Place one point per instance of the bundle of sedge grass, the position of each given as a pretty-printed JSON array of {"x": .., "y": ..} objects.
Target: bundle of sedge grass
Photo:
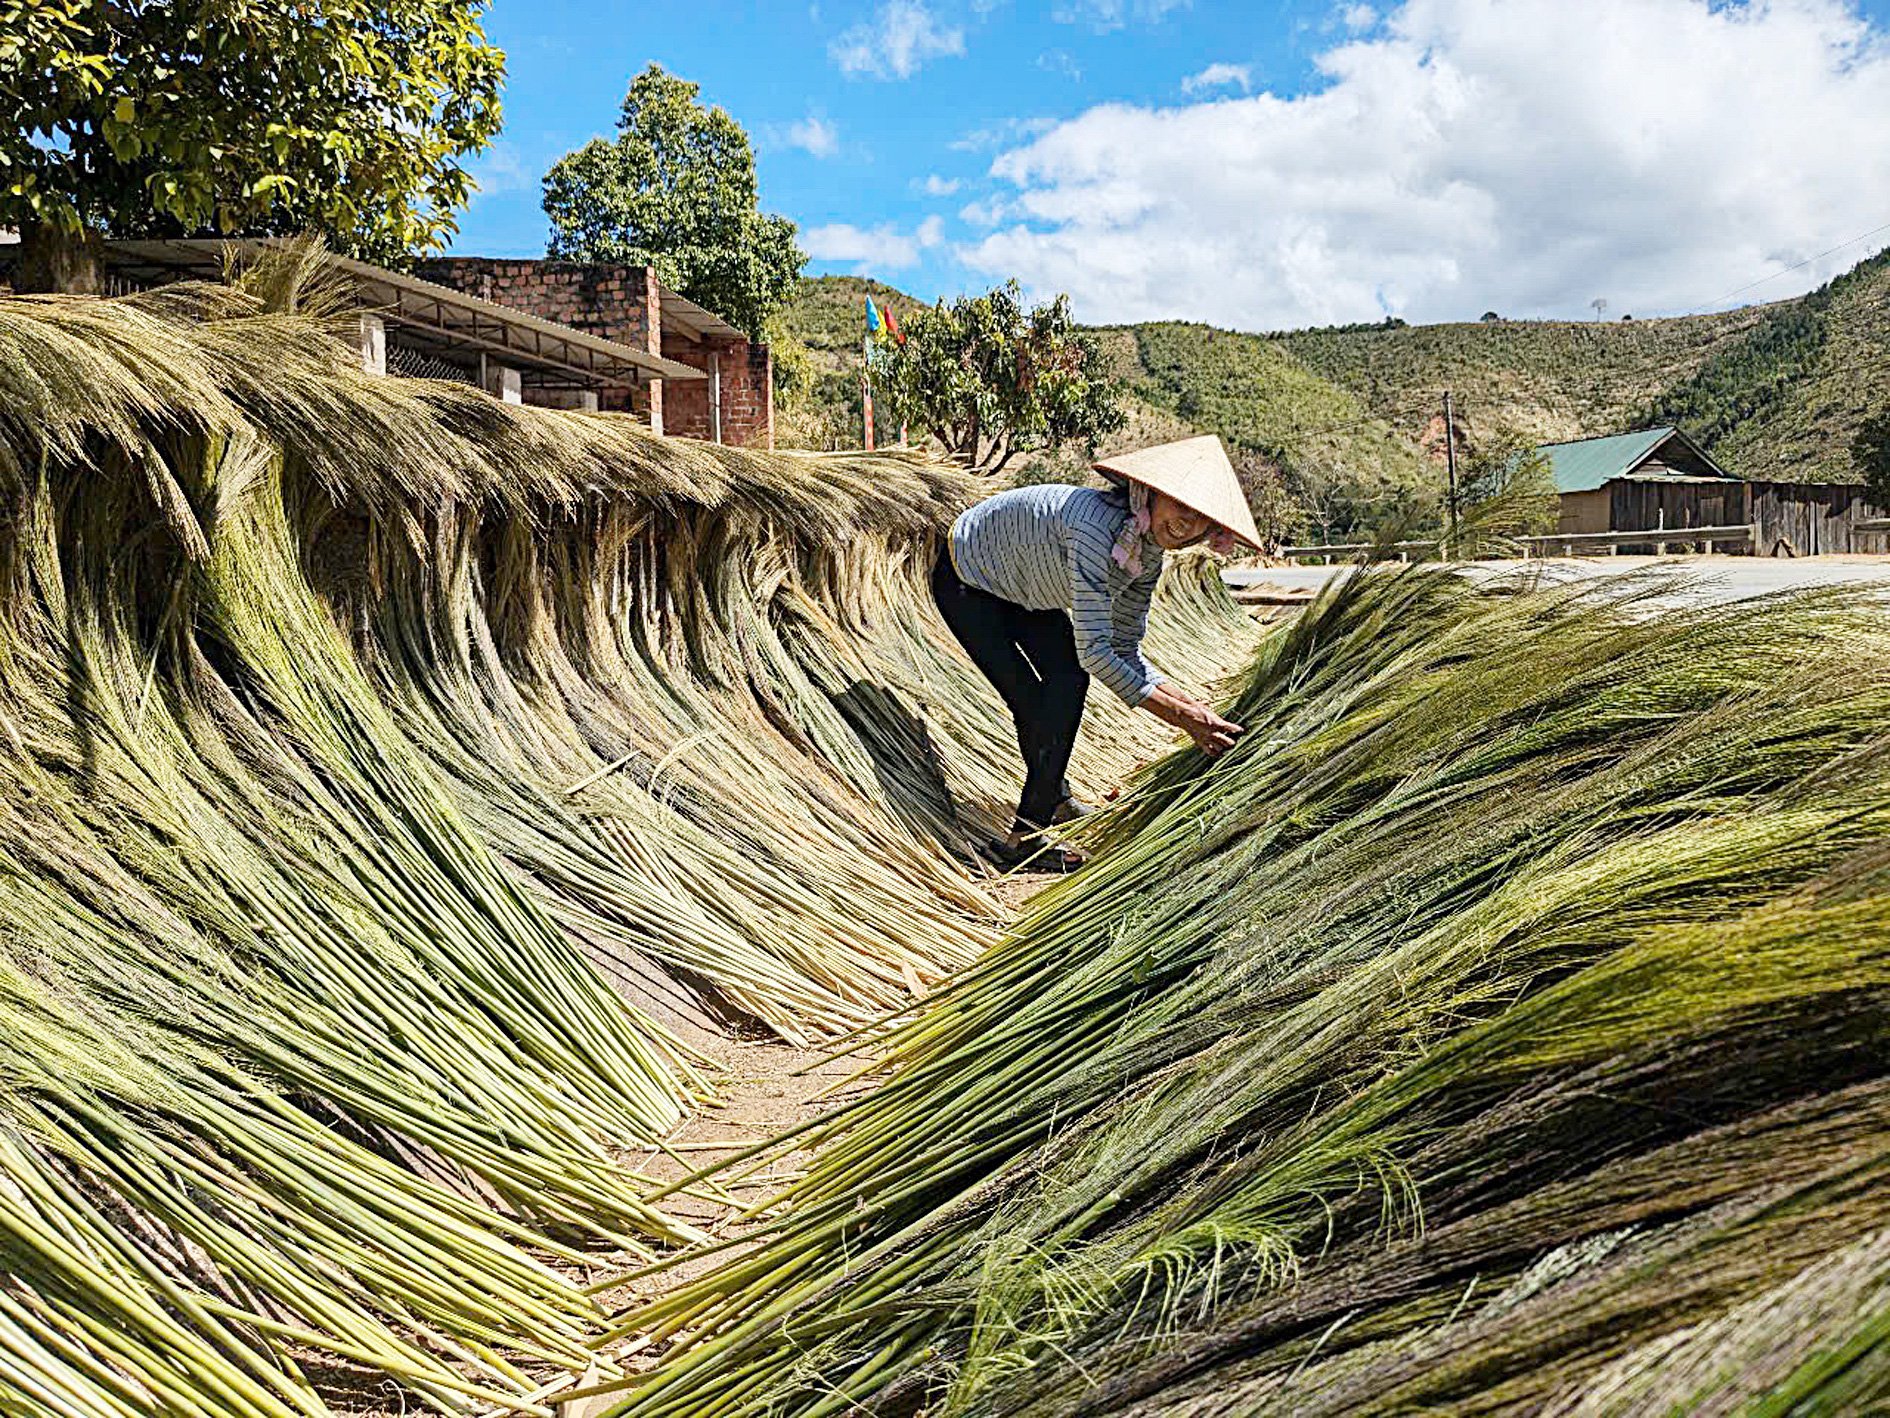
[
  {"x": 380, "y": 760},
  {"x": 1497, "y": 1029}
]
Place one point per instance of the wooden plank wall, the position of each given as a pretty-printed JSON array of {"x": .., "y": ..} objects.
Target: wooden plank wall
[
  {"x": 1584, "y": 511},
  {"x": 1648, "y": 506},
  {"x": 1794, "y": 519}
]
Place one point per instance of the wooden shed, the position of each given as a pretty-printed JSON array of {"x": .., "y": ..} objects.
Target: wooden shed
[
  {"x": 1632, "y": 481},
  {"x": 1660, "y": 480}
]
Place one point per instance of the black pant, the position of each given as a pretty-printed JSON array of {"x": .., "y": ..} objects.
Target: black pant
[{"x": 1030, "y": 658}]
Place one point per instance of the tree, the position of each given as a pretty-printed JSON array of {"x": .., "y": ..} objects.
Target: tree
[
  {"x": 346, "y": 118},
  {"x": 989, "y": 379},
  {"x": 1506, "y": 475},
  {"x": 676, "y": 190},
  {"x": 1599, "y": 305},
  {"x": 1490, "y": 317},
  {"x": 1277, "y": 515},
  {"x": 1870, "y": 455}
]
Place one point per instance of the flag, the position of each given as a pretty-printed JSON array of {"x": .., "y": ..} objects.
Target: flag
[
  {"x": 892, "y": 327},
  {"x": 874, "y": 324}
]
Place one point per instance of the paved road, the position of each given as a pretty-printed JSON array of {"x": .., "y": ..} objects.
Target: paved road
[{"x": 1697, "y": 578}]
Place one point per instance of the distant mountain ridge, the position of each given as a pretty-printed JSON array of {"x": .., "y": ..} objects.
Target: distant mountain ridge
[{"x": 1773, "y": 391}]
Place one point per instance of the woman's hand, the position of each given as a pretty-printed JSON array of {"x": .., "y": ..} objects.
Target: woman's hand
[{"x": 1212, "y": 734}]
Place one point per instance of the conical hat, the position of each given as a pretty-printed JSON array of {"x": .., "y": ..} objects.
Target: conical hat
[{"x": 1196, "y": 473}]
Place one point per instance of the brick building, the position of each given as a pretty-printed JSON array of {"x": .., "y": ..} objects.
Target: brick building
[
  {"x": 554, "y": 333},
  {"x": 627, "y": 304}
]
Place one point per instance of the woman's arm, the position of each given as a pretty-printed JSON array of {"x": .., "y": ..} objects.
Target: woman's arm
[
  {"x": 1212, "y": 734},
  {"x": 1095, "y": 619}
]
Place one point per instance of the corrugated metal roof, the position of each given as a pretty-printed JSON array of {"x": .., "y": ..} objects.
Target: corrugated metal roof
[
  {"x": 694, "y": 320},
  {"x": 1587, "y": 463}
]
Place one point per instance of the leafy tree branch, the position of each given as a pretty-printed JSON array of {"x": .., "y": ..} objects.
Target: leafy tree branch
[
  {"x": 989, "y": 379},
  {"x": 238, "y": 117}
]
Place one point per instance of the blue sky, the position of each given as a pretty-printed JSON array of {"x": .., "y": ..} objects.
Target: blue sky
[{"x": 1259, "y": 165}]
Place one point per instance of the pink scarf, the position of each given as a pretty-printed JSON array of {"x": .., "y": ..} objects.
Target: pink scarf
[{"x": 1134, "y": 539}]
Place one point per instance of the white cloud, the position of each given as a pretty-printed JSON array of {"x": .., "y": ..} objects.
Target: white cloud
[
  {"x": 872, "y": 249},
  {"x": 813, "y": 135},
  {"x": 987, "y": 212},
  {"x": 1219, "y": 76},
  {"x": 899, "y": 39},
  {"x": 1010, "y": 130},
  {"x": 1106, "y": 15},
  {"x": 1060, "y": 62},
  {"x": 1358, "y": 18},
  {"x": 1520, "y": 155},
  {"x": 501, "y": 168},
  {"x": 936, "y": 186}
]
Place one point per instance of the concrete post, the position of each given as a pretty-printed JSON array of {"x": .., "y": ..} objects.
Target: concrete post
[
  {"x": 373, "y": 344},
  {"x": 507, "y": 384},
  {"x": 587, "y": 401},
  {"x": 652, "y": 333}
]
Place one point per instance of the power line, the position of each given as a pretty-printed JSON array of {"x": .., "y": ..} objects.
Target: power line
[{"x": 1789, "y": 269}]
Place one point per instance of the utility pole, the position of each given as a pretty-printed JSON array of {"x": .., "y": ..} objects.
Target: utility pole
[
  {"x": 866, "y": 386},
  {"x": 1450, "y": 465}
]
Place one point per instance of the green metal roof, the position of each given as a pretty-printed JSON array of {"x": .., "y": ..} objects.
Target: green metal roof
[{"x": 1586, "y": 464}]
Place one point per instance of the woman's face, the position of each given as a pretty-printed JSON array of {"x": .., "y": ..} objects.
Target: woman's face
[{"x": 1174, "y": 526}]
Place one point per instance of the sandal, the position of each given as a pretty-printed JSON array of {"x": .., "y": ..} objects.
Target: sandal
[
  {"x": 1070, "y": 809},
  {"x": 1032, "y": 856}
]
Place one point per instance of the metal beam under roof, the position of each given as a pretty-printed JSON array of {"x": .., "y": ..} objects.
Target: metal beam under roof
[
  {"x": 693, "y": 320},
  {"x": 437, "y": 316}
]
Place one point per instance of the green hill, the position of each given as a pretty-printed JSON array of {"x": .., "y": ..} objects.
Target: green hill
[
  {"x": 827, "y": 314},
  {"x": 1343, "y": 464},
  {"x": 1786, "y": 400},
  {"x": 817, "y": 364},
  {"x": 1553, "y": 380},
  {"x": 1349, "y": 417}
]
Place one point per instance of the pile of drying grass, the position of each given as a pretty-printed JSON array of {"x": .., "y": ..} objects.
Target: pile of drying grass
[
  {"x": 1499, "y": 1029},
  {"x": 389, "y": 779}
]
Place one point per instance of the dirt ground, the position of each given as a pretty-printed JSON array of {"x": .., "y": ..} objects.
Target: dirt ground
[{"x": 766, "y": 1087}]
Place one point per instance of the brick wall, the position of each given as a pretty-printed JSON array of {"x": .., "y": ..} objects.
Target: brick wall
[
  {"x": 748, "y": 396},
  {"x": 610, "y": 301},
  {"x": 686, "y": 401},
  {"x": 746, "y": 373},
  {"x": 624, "y": 303}
]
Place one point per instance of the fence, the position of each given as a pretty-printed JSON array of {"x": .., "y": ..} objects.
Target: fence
[
  {"x": 1560, "y": 544},
  {"x": 1787, "y": 519},
  {"x": 1351, "y": 551},
  {"x": 1659, "y": 541}
]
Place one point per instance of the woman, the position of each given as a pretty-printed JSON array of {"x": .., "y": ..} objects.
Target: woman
[{"x": 1047, "y": 586}]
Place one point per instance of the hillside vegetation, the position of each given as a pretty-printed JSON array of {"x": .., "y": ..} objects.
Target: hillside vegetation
[
  {"x": 1339, "y": 460},
  {"x": 817, "y": 360},
  {"x": 1551, "y": 379},
  {"x": 1787, "y": 399},
  {"x": 1350, "y": 416}
]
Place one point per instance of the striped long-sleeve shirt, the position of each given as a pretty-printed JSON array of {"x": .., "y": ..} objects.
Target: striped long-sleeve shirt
[{"x": 1048, "y": 548}]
